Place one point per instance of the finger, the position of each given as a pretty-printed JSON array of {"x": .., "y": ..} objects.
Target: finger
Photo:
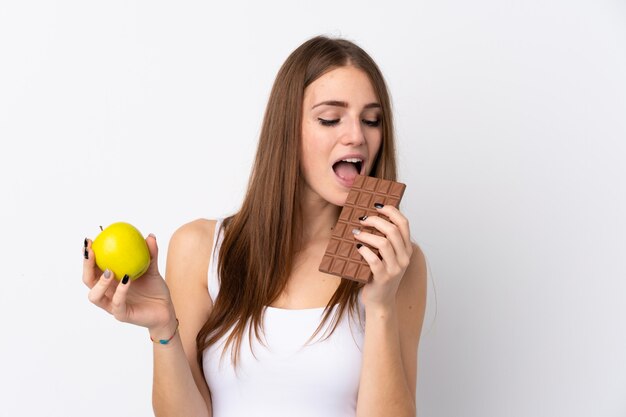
[
  {"x": 98, "y": 294},
  {"x": 392, "y": 233},
  {"x": 397, "y": 218},
  {"x": 375, "y": 263},
  {"x": 153, "y": 248},
  {"x": 89, "y": 260},
  {"x": 379, "y": 242},
  {"x": 119, "y": 307}
]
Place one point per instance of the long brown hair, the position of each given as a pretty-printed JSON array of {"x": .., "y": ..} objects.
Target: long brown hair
[{"x": 262, "y": 239}]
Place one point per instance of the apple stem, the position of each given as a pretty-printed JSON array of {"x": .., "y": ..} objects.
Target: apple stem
[{"x": 101, "y": 229}]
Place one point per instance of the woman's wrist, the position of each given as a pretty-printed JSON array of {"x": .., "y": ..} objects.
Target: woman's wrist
[
  {"x": 166, "y": 329},
  {"x": 380, "y": 310},
  {"x": 160, "y": 336}
]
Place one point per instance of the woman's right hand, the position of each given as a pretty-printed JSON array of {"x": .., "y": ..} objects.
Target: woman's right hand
[{"x": 145, "y": 302}]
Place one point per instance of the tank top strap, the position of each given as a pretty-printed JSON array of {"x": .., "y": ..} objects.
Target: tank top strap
[{"x": 213, "y": 278}]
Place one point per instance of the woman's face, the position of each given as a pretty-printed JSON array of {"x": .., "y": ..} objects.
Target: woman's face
[{"x": 341, "y": 132}]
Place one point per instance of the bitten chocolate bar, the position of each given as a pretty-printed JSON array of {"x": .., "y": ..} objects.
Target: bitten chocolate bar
[{"x": 341, "y": 257}]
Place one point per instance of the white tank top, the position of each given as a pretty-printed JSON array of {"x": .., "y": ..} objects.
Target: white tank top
[{"x": 287, "y": 378}]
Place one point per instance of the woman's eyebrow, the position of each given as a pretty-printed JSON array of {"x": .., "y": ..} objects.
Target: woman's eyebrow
[{"x": 344, "y": 104}]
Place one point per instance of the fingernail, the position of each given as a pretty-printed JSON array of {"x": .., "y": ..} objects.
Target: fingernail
[
  {"x": 378, "y": 205},
  {"x": 86, "y": 254},
  {"x": 358, "y": 245},
  {"x": 363, "y": 217},
  {"x": 107, "y": 274},
  {"x": 85, "y": 243},
  {"x": 125, "y": 279},
  {"x": 152, "y": 234},
  {"x": 355, "y": 231}
]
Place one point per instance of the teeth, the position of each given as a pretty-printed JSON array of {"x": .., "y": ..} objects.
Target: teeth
[{"x": 353, "y": 160}]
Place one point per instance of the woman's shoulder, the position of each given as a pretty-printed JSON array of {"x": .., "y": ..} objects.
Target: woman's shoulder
[
  {"x": 416, "y": 273},
  {"x": 191, "y": 238},
  {"x": 187, "y": 242},
  {"x": 196, "y": 232}
]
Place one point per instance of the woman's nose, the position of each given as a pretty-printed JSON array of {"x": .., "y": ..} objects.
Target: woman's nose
[{"x": 353, "y": 135}]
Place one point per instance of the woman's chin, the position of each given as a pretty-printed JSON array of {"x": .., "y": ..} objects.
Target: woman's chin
[{"x": 338, "y": 199}]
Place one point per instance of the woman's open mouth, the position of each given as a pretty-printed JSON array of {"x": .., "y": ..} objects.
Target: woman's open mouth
[{"x": 347, "y": 169}]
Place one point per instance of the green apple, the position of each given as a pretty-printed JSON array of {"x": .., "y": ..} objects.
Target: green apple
[{"x": 122, "y": 249}]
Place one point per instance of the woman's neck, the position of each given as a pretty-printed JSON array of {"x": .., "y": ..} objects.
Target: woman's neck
[{"x": 318, "y": 219}]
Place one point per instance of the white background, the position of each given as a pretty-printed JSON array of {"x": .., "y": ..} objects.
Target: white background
[{"x": 511, "y": 118}]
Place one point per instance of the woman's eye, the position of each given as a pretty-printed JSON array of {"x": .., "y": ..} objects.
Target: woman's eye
[
  {"x": 372, "y": 123},
  {"x": 326, "y": 122}
]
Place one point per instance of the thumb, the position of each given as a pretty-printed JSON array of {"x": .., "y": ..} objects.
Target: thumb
[{"x": 154, "y": 253}]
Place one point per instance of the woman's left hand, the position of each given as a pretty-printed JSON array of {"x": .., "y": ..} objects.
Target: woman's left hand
[{"x": 395, "y": 249}]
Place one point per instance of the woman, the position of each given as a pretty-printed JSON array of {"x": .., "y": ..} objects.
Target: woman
[{"x": 244, "y": 342}]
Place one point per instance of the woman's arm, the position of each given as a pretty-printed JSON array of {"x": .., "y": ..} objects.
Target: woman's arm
[
  {"x": 179, "y": 387},
  {"x": 395, "y": 303},
  {"x": 389, "y": 372}
]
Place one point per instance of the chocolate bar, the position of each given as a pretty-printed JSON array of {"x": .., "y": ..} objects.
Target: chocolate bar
[{"x": 342, "y": 257}]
